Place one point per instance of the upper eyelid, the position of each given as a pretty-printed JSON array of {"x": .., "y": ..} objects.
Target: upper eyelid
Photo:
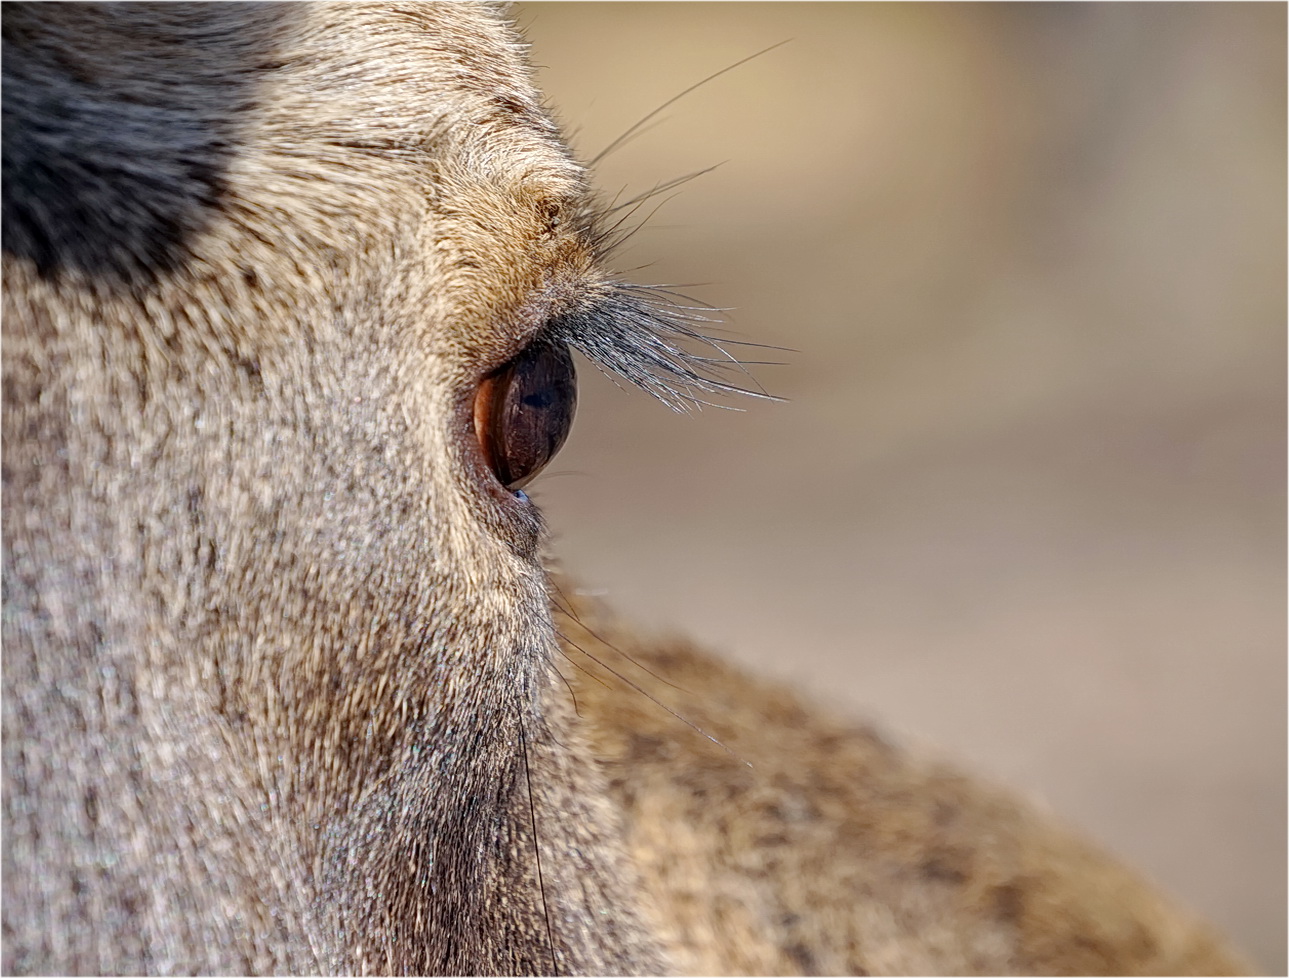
[{"x": 531, "y": 322}]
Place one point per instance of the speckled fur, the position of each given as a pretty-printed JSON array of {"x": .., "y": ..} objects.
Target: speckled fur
[
  {"x": 835, "y": 852},
  {"x": 275, "y": 639}
]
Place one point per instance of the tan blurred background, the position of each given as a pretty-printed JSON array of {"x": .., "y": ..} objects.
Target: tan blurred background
[{"x": 1026, "y": 499}]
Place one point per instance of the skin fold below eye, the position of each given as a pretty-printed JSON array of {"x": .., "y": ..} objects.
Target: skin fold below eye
[{"x": 524, "y": 410}]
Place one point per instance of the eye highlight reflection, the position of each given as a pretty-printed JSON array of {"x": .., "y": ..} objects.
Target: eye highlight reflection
[{"x": 523, "y": 412}]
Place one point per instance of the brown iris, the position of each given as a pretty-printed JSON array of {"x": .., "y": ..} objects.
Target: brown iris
[{"x": 524, "y": 410}]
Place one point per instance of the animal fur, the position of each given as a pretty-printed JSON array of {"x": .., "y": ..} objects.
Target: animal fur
[{"x": 278, "y": 684}]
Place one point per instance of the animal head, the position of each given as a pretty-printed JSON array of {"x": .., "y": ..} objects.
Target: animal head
[{"x": 289, "y": 298}]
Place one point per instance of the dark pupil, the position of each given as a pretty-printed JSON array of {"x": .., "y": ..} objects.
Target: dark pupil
[{"x": 524, "y": 411}]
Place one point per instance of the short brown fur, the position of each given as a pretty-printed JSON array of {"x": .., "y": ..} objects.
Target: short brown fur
[{"x": 278, "y": 647}]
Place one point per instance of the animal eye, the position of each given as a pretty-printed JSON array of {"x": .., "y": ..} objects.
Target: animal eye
[{"x": 524, "y": 410}]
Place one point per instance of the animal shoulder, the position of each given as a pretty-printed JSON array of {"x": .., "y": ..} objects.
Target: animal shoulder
[{"x": 289, "y": 298}]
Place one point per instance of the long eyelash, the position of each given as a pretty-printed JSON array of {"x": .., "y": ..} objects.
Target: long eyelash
[
  {"x": 655, "y": 339},
  {"x": 649, "y": 335}
]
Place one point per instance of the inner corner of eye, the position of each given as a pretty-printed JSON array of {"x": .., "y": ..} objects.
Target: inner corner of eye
[{"x": 523, "y": 411}]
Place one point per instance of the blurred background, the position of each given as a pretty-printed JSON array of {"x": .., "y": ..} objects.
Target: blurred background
[{"x": 1026, "y": 498}]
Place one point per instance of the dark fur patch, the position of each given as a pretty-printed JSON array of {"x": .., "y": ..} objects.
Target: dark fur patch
[{"x": 111, "y": 177}]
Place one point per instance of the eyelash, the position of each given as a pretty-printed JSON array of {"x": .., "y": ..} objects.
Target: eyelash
[
  {"x": 644, "y": 335},
  {"x": 649, "y": 336},
  {"x": 523, "y": 409}
]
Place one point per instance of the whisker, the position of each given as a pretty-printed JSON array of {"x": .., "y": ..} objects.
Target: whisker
[
  {"x": 609, "y": 645},
  {"x": 663, "y": 187},
  {"x": 629, "y": 138},
  {"x": 602, "y": 239},
  {"x": 537, "y": 848},
  {"x": 676, "y": 98},
  {"x": 577, "y": 665},
  {"x": 657, "y": 702},
  {"x": 569, "y": 687},
  {"x": 616, "y": 241}
]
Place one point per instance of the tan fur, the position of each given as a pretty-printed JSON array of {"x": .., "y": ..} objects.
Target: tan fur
[
  {"x": 812, "y": 846},
  {"x": 278, "y": 646}
]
